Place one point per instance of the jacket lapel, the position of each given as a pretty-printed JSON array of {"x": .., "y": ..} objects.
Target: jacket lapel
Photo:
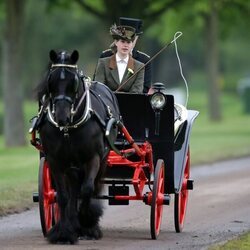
[
  {"x": 131, "y": 65},
  {"x": 114, "y": 69}
]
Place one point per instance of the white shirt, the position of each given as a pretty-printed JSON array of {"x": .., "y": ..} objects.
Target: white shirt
[{"x": 121, "y": 65}]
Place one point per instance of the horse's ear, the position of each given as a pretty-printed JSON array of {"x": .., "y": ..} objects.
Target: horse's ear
[
  {"x": 74, "y": 56},
  {"x": 53, "y": 56}
]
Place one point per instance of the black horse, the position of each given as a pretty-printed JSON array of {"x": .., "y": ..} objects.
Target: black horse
[{"x": 73, "y": 120}]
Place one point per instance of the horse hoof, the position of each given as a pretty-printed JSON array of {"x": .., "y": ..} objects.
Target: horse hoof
[
  {"x": 94, "y": 233},
  {"x": 59, "y": 235}
]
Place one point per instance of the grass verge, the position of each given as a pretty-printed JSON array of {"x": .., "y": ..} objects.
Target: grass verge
[
  {"x": 18, "y": 172},
  {"x": 18, "y": 178},
  {"x": 225, "y": 139},
  {"x": 241, "y": 243}
]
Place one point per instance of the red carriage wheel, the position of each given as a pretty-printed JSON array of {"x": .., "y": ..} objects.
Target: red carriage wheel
[
  {"x": 157, "y": 200},
  {"x": 48, "y": 208},
  {"x": 181, "y": 198}
]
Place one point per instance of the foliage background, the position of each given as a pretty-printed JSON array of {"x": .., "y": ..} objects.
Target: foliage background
[
  {"x": 67, "y": 26},
  {"x": 61, "y": 24}
]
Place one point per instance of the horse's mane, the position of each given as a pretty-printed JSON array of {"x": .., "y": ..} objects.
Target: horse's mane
[{"x": 41, "y": 89}]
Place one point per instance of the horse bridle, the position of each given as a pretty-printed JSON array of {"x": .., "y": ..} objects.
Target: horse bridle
[{"x": 85, "y": 96}]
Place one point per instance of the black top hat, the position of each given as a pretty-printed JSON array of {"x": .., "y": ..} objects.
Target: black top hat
[
  {"x": 122, "y": 32},
  {"x": 133, "y": 22}
]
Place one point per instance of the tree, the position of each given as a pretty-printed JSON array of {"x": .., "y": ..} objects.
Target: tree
[
  {"x": 12, "y": 65},
  {"x": 109, "y": 11},
  {"x": 213, "y": 19},
  {"x": 212, "y": 61}
]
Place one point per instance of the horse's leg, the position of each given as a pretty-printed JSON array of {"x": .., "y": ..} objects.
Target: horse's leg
[
  {"x": 89, "y": 216},
  {"x": 91, "y": 170},
  {"x": 63, "y": 231},
  {"x": 71, "y": 209},
  {"x": 90, "y": 210},
  {"x": 55, "y": 234}
]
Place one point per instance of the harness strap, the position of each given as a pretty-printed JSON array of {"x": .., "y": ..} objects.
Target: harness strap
[
  {"x": 64, "y": 65},
  {"x": 38, "y": 119},
  {"x": 63, "y": 98},
  {"x": 107, "y": 126},
  {"x": 99, "y": 119},
  {"x": 108, "y": 110}
]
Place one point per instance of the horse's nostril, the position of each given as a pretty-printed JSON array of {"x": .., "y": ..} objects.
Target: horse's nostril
[
  {"x": 62, "y": 118},
  {"x": 62, "y": 122}
]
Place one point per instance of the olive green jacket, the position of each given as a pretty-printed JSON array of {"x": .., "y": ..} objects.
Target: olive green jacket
[{"x": 107, "y": 73}]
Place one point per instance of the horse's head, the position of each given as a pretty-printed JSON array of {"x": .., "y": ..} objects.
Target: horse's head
[{"x": 63, "y": 85}]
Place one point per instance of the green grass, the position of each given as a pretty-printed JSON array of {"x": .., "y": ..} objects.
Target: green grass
[
  {"x": 241, "y": 243},
  {"x": 213, "y": 141},
  {"x": 18, "y": 178},
  {"x": 18, "y": 172}
]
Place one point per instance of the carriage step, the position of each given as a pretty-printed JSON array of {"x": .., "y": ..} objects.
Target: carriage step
[
  {"x": 35, "y": 197},
  {"x": 118, "y": 191},
  {"x": 190, "y": 184},
  {"x": 166, "y": 199}
]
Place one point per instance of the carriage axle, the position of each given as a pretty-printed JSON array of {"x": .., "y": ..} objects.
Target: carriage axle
[{"x": 163, "y": 199}]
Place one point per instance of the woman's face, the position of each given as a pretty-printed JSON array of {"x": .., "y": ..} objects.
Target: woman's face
[{"x": 123, "y": 47}]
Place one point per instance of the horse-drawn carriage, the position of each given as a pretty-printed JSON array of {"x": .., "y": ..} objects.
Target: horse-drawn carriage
[{"x": 145, "y": 155}]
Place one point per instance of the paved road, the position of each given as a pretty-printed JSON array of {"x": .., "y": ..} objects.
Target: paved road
[{"x": 218, "y": 209}]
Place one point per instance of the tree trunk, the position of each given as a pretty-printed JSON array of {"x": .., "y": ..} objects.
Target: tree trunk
[
  {"x": 212, "y": 63},
  {"x": 12, "y": 86}
]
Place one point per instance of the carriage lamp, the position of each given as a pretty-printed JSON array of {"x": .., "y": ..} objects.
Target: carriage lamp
[{"x": 158, "y": 101}]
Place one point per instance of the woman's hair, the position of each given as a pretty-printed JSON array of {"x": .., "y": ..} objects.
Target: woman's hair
[{"x": 113, "y": 47}]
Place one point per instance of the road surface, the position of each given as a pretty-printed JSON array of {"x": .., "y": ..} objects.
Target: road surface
[{"x": 218, "y": 210}]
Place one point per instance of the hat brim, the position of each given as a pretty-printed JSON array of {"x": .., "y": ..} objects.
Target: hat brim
[
  {"x": 123, "y": 32},
  {"x": 139, "y": 33},
  {"x": 128, "y": 39}
]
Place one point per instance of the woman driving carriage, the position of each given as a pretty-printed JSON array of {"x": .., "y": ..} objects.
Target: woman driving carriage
[{"x": 116, "y": 71}]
